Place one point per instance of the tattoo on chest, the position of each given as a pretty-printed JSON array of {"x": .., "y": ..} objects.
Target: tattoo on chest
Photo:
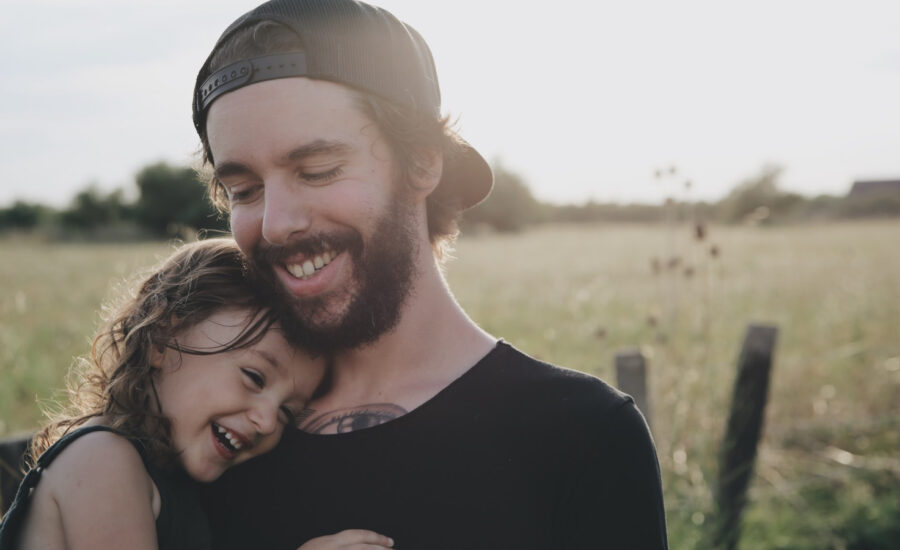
[{"x": 349, "y": 419}]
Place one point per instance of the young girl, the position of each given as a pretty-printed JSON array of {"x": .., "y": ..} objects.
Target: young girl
[{"x": 189, "y": 377}]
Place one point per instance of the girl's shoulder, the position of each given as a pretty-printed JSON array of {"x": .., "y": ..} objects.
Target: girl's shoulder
[
  {"x": 95, "y": 452},
  {"x": 90, "y": 490},
  {"x": 99, "y": 466}
]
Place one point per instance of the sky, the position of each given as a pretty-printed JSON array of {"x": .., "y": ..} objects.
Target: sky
[{"x": 585, "y": 100}]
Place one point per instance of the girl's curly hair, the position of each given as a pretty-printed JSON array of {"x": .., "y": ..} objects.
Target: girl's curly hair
[{"x": 117, "y": 381}]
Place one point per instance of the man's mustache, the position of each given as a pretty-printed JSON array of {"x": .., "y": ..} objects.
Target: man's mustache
[{"x": 266, "y": 253}]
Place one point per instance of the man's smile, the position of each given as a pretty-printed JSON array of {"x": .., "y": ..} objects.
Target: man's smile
[{"x": 304, "y": 269}]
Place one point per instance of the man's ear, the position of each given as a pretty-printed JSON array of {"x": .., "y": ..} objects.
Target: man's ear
[{"x": 426, "y": 175}]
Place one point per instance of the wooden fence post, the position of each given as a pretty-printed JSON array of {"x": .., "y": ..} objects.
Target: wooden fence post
[
  {"x": 737, "y": 452},
  {"x": 631, "y": 378}
]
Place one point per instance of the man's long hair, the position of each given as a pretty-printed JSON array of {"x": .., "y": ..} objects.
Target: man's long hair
[{"x": 412, "y": 136}]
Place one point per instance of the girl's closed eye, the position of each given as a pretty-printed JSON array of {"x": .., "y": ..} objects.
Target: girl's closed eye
[{"x": 255, "y": 377}]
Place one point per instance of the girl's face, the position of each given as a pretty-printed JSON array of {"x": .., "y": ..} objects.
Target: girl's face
[{"x": 228, "y": 407}]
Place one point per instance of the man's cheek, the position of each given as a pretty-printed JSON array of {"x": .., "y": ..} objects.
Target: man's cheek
[{"x": 244, "y": 232}]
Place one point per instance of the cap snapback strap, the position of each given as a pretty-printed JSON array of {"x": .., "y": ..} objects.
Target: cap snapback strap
[{"x": 250, "y": 71}]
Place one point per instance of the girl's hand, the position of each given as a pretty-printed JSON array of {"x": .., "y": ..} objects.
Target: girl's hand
[{"x": 351, "y": 539}]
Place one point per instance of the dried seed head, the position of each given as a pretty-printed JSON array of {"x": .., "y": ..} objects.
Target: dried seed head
[{"x": 699, "y": 231}]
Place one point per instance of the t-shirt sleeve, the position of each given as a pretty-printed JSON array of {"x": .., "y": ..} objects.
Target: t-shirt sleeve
[{"x": 614, "y": 498}]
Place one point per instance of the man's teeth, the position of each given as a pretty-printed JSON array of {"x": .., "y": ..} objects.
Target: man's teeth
[
  {"x": 235, "y": 442},
  {"x": 309, "y": 267}
]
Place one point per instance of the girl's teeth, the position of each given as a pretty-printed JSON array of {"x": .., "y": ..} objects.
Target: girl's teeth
[{"x": 231, "y": 439}]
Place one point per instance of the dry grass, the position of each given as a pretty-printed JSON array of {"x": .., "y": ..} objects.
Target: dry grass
[{"x": 574, "y": 296}]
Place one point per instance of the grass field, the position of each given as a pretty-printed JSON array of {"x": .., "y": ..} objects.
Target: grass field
[{"x": 828, "y": 473}]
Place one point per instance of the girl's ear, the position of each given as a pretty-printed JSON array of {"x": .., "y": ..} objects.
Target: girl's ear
[{"x": 159, "y": 354}]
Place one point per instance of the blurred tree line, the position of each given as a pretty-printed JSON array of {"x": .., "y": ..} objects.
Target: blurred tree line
[
  {"x": 171, "y": 202},
  {"x": 756, "y": 200}
]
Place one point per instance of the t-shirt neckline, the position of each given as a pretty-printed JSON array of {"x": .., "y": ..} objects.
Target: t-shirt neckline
[{"x": 411, "y": 416}]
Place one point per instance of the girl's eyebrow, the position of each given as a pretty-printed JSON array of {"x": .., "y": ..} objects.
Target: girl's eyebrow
[{"x": 270, "y": 359}]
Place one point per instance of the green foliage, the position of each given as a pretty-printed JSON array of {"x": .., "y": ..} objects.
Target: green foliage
[
  {"x": 91, "y": 209},
  {"x": 758, "y": 199},
  {"x": 598, "y": 212},
  {"x": 510, "y": 206},
  {"x": 24, "y": 215},
  {"x": 171, "y": 203},
  {"x": 171, "y": 199}
]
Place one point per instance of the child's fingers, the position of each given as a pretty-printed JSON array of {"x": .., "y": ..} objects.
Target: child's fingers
[
  {"x": 363, "y": 537},
  {"x": 351, "y": 539}
]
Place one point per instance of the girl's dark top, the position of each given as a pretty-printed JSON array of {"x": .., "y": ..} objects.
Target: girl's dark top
[
  {"x": 515, "y": 453},
  {"x": 181, "y": 524}
]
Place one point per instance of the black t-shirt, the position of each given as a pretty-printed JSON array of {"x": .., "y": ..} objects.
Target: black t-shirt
[{"x": 515, "y": 453}]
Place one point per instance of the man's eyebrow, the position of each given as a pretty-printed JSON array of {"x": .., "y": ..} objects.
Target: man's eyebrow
[
  {"x": 231, "y": 169},
  {"x": 319, "y": 147}
]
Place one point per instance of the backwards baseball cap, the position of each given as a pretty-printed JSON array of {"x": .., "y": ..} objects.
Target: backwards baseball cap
[{"x": 354, "y": 44}]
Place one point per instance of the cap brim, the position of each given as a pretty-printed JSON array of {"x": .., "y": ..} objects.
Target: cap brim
[{"x": 468, "y": 174}]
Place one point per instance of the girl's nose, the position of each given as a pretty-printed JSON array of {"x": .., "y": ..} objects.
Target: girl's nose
[{"x": 264, "y": 417}]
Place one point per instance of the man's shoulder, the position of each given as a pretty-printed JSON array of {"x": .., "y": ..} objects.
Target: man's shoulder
[{"x": 552, "y": 387}]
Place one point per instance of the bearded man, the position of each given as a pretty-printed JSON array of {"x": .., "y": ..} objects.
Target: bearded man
[{"x": 321, "y": 121}]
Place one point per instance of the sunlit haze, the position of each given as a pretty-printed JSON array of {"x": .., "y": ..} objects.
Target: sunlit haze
[{"x": 583, "y": 99}]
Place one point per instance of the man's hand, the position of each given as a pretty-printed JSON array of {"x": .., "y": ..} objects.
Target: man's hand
[{"x": 351, "y": 539}]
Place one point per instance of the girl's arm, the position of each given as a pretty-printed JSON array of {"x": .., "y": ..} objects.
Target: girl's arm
[{"x": 104, "y": 494}]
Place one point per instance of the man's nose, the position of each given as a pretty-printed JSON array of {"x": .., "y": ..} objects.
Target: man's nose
[{"x": 286, "y": 213}]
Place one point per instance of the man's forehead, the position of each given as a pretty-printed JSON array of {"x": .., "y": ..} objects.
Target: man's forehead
[{"x": 293, "y": 118}]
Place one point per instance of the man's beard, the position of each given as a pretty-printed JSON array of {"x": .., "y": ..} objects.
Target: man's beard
[{"x": 382, "y": 272}]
